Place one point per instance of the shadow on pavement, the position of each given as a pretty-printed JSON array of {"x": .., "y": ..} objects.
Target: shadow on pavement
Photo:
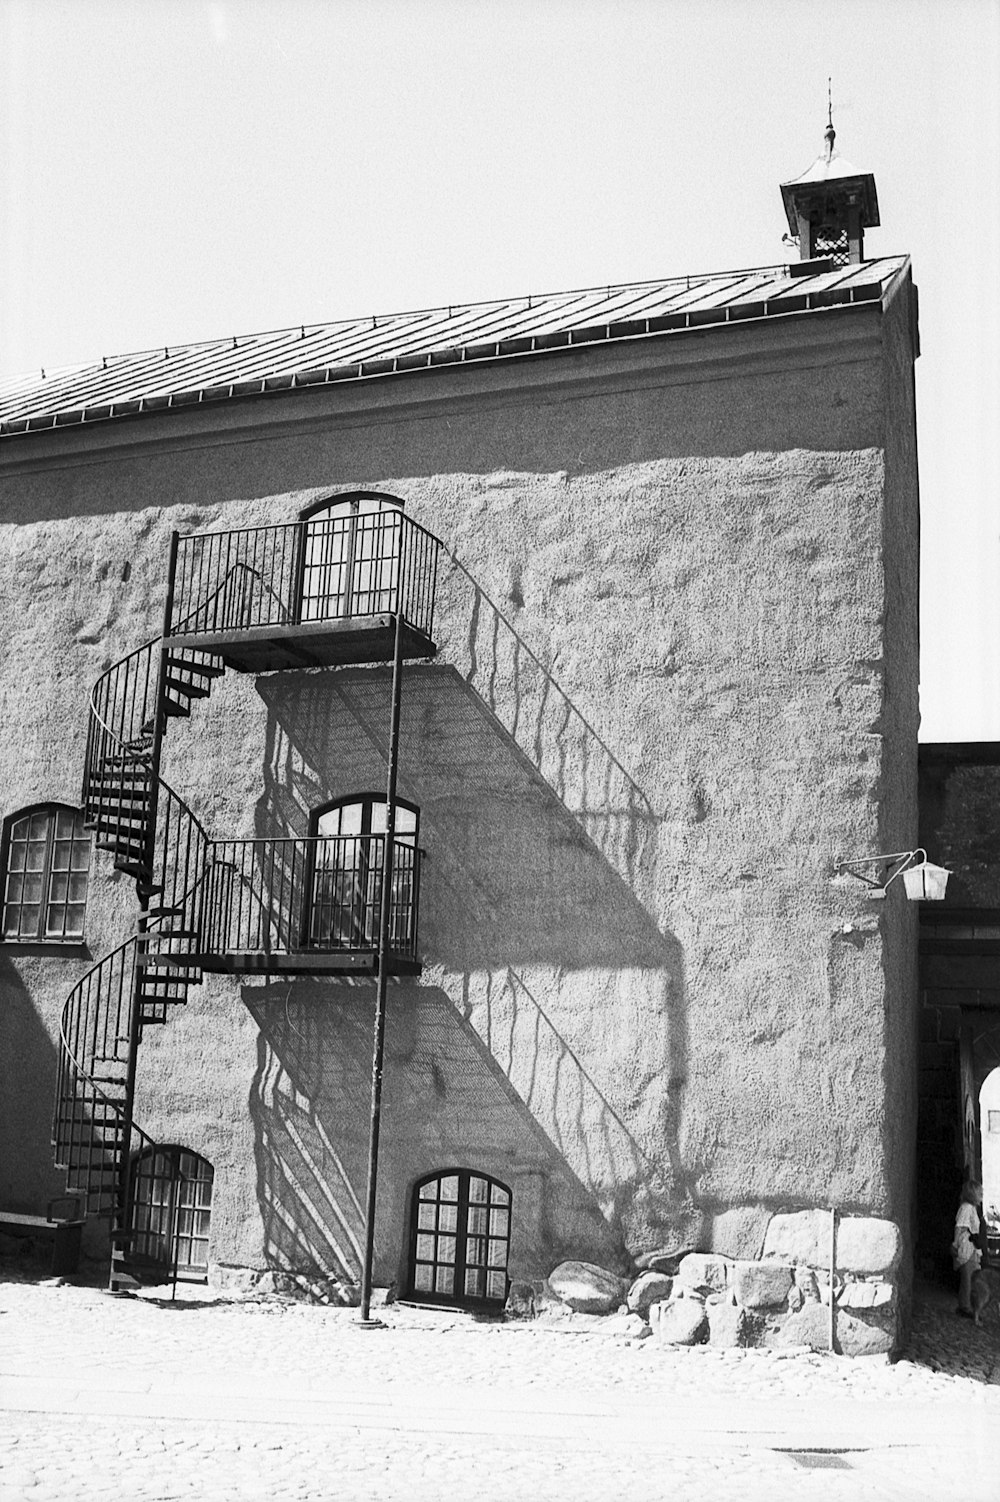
[{"x": 944, "y": 1342}]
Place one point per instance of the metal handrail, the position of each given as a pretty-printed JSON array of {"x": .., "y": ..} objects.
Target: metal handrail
[
  {"x": 108, "y": 673},
  {"x": 236, "y": 568},
  {"x": 72, "y": 1057}
]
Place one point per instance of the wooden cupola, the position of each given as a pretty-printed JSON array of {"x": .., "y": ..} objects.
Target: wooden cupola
[{"x": 830, "y": 206}]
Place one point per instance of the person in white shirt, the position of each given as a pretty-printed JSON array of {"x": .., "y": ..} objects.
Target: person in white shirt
[{"x": 965, "y": 1254}]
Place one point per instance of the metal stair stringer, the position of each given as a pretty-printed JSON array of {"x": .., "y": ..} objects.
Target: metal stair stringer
[{"x": 154, "y": 837}]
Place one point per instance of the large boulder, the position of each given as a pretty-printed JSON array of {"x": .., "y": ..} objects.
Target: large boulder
[
  {"x": 739, "y": 1231},
  {"x": 520, "y": 1301},
  {"x": 648, "y": 1288},
  {"x": 761, "y": 1285},
  {"x": 702, "y": 1270},
  {"x": 682, "y": 1322},
  {"x": 803, "y": 1236},
  {"x": 810, "y": 1327},
  {"x": 728, "y": 1325},
  {"x": 868, "y": 1244},
  {"x": 586, "y": 1288}
]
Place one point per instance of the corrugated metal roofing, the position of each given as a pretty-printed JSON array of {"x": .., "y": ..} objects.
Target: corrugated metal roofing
[{"x": 362, "y": 348}]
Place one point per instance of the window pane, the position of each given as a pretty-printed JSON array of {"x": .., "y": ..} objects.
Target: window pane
[
  {"x": 474, "y": 1283},
  {"x": 425, "y": 1248},
  {"x": 448, "y": 1218},
  {"x": 449, "y": 1188},
  {"x": 426, "y": 1218},
  {"x": 74, "y": 921},
  {"x": 478, "y": 1191},
  {"x": 496, "y": 1285},
  {"x": 423, "y": 1278},
  {"x": 444, "y": 1281},
  {"x": 446, "y": 1249}
]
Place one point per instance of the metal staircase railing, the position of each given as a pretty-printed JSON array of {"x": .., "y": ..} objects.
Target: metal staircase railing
[
  {"x": 195, "y": 893},
  {"x": 328, "y": 568},
  {"x": 155, "y": 838}
]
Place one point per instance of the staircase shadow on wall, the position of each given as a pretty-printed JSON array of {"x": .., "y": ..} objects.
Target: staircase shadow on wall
[
  {"x": 541, "y": 853},
  {"x": 513, "y": 874},
  {"x": 29, "y": 1180},
  {"x": 446, "y": 1100},
  {"x": 512, "y": 884}
]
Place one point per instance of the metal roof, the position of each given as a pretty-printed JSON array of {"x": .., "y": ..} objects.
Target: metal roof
[{"x": 312, "y": 355}]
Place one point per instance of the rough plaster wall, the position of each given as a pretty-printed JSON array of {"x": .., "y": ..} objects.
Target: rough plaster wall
[{"x": 656, "y": 717}]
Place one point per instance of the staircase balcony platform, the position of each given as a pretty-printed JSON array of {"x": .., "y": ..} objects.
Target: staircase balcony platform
[
  {"x": 307, "y": 644},
  {"x": 304, "y": 962}
]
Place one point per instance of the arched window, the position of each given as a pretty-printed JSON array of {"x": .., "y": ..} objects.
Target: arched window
[
  {"x": 346, "y": 884},
  {"x": 459, "y": 1239},
  {"x": 172, "y": 1212},
  {"x": 45, "y": 859},
  {"x": 350, "y": 560}
]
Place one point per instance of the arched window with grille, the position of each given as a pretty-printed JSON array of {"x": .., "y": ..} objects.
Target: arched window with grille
[
  {"x": 459, "y": 1239},
  {"x": 45, "y": 858},
  {"x": 350, "y": 557},
  {"x": 348, "y": 848},
  {"x": 172, "y": 1212}
]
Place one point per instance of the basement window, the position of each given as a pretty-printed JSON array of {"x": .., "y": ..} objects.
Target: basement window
[
  {"x": 459, "y": 1240},
  {"x": 45, "y": 859}
]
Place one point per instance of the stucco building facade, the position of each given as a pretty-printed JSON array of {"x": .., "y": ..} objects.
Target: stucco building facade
[{"x": 672, "y": 677}]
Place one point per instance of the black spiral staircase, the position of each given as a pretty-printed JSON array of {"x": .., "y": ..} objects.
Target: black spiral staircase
[{"x": 354, "y": 583}]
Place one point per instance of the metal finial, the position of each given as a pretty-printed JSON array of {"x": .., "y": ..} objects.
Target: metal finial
[{"x": 829, "y": 135}]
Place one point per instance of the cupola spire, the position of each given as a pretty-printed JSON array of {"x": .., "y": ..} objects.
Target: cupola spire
[
  {"x": 830, "y": 205},
  {"x": 829, "y": 135}
]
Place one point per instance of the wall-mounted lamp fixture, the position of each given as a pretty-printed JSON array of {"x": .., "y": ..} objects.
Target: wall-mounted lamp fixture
[{"x": 923, "y": 881}]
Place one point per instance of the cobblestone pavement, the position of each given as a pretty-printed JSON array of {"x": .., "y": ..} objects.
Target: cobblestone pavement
[{"x": 217, "y": 1398}]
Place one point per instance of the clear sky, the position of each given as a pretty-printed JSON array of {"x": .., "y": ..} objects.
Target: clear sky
[{"x": 183, "y": 169}]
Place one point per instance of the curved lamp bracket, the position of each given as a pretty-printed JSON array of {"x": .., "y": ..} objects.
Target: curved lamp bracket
[{"x": 924, "y": 881}]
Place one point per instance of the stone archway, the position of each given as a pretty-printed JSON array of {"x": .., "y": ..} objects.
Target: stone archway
[{"x": 989, "y": 1126}]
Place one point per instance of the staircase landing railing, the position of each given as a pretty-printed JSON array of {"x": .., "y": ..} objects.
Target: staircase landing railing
[
  {"x": 318, "y": 895},
  {"x": 331, "y": 568}
]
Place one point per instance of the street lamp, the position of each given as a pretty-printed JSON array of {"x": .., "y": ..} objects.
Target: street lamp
[{"x": 923, "y": 881}]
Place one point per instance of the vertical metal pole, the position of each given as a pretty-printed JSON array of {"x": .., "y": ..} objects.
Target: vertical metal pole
[
  {"x": 378, "y": 1046},
  {"x": 833, "y": 1274}
]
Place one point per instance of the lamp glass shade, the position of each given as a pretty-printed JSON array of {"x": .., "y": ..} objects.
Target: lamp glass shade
[{"x": 926, "y": 882}]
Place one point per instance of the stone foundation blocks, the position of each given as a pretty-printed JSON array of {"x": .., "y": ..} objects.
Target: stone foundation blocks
[
  {"x": 703, "y": 1270},
  {"x": 761, "y": 1285}
]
